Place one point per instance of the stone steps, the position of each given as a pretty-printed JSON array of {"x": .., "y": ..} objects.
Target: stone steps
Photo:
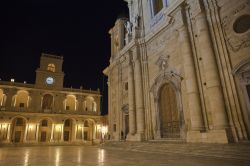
[{"x": 229, "y": 151}]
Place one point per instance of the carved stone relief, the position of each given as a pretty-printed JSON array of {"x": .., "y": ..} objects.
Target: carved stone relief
[{"x": 235, "y": 40}]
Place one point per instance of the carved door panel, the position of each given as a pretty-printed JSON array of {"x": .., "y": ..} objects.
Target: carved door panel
[
  {"x": 18, "y": 136},
  {"x": 169, "y": 117},
  {"x": 43, "y": 136},
  {"x": 66, "y": 135}
]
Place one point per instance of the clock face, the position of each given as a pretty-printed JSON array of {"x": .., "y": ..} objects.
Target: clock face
[{"x": 49, "y": 80}]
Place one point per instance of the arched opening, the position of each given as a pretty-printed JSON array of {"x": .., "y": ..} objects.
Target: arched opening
[
  {"x": 242, "y": 73},
  {"x": 168, "y": 112},
  {"x": 89, "y": 104},
  {"x": 68, "y": 130},
  {"x": 47, "y": 102},
  {"x": 18, "y": 130},
  {"x": 89, "y": 130},
  {"x": 45, "y": 130},
  {"x": 21, "y": 99},
  {"x": 70, "y": 103}
]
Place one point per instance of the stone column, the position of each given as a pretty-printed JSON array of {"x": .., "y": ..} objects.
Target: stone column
[
  {"x": 131, "y": 99},
  {"x": 37, "y": 132},
  {"x": 52, "y": 133},
  {"x": 139, "y": 96},
  {"x": 214, "y": 92},
  {"x": 8, "y": 133},
  {"x": 25, "y": 133},
  {"x": 80, "y": 103},
  {"x": 62, "y": 133},
  {"x": 9, "y": 94},
  {"x": 190, "y": 80}
]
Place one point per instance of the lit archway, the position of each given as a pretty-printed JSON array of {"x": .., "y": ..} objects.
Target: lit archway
[
  {"x": 18, "y": 129},
  {"x": 21, "y": 99},
  {"x": 45, "y": 129},
  {"x": 70, "y": 103}
]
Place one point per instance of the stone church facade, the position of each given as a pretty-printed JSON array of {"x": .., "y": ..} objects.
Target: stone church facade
[
  {"x": 180, "y": 69},
  {"x": 48, "y": 113}
]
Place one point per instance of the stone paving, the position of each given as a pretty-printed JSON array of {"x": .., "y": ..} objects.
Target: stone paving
[{"x": 128, "y": 154}]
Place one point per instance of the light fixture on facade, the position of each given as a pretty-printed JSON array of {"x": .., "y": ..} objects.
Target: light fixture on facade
[{"x": 12, "y": 80}]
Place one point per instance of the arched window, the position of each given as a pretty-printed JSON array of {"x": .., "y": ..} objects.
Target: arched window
[
  {"x": 44, "y": 123},
  {"x": 86, "y": 124},
  {"x": 89, "y": 104},
  {"x": 47, "y": 102},
  {"x": 51, "y": 67},
  {"x": 70, "y": 103},
  {"x": 21, "y": 99}
]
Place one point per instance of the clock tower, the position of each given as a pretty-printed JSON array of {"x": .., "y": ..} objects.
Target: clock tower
[{"x": 50, "y": 75}]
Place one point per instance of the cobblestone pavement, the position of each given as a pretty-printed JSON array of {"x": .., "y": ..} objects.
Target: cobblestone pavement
[{"x": 129, "y": 154}]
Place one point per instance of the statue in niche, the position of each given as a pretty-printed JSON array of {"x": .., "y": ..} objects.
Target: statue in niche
[
  {"x": 136, "y": 21},
  {"x": 128, "y": 25},
  {"x": 162, "y": 62}
]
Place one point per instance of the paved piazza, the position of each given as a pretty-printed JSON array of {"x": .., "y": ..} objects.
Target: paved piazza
[{"x": 127, "y": 154}]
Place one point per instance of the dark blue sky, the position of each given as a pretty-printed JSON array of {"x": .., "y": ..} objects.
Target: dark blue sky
[{"x": 76, "y": 29}]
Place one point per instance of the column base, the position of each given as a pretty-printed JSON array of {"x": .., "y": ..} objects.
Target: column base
[
  {"x": 136, "y": 137},
  {"x": 213, "y": 136}
]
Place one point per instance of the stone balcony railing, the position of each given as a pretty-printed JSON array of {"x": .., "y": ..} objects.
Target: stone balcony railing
[{"x": 47, "y": 111}]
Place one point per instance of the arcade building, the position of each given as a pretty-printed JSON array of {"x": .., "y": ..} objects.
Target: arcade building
[{"x": 46, "y": 112}]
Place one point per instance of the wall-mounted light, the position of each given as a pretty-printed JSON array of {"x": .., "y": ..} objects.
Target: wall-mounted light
[{"x": 12, "y": 80}]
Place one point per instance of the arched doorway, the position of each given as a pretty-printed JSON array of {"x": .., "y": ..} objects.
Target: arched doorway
[
  {"x": 89, "y": 130},
  {"x": 47, "y": 102},
  {"x": 18, "y": 130},
  {"x": 68, "y": 130},
  {"x": 45, "y": 130},
  {"x": 168, "y": 112},
  {"x": 242, "y": 73}
]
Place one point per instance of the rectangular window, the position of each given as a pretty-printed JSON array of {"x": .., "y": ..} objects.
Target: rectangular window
[
  {"x": 126, "y": 86},
  {"x": 44, "y": 123},
  {"x": 21, "y": 105},
  {"x": 157, "y": 6},
  {"x": 19, "y": 122},
  {"x": 114, "y": 128}
]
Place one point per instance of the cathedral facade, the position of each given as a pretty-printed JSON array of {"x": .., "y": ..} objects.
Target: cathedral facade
[
  {"x": 46, "y": 112},
  {"x": 180, "y": 70}
]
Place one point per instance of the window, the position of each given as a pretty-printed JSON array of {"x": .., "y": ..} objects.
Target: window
[
  {"x": 242, "y": 24},
  {"x": 114, "y": 128},
  {"x": 19, "y": 122},
  {"x": 86, "y": 124},
  {"x": 126, "y": 86},
  {"x": 44, "y": 123},
  {"x": 21, "y": 105},
  {"x": 67, "y": 123},
  {"x": 51, "y": 67},
  {"x": 67, "y": 107},
  {"x": 157, "y": 6}
]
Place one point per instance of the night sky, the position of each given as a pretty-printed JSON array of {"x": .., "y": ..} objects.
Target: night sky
[{"x": 76, "y": 30}]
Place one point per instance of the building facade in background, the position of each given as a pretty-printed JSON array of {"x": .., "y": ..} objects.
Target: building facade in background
[
  {"x": 46, "y": 112},
  {"x": 180, "y": 69}
]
